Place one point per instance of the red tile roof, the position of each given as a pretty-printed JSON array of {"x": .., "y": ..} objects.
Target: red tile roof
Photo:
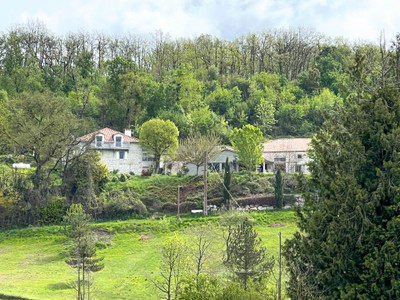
[
  {"x": 287, "y": 145},
  {"x": 108, "y": 136}
]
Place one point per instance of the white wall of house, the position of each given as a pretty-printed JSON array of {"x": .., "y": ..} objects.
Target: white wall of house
[
  {"x": 218, "y": 163},
  {"x": 290, "y": 162},
  {"x": 126, "y": 159}
]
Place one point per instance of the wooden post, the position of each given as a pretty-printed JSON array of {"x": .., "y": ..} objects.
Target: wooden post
[
  {"x": 178, "y": 216},
  {"x": 280, "y": 268},
  {"x": 205, "y": 185}
]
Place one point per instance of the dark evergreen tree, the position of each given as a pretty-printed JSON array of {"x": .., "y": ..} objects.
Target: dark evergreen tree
[
  {"x": 278, "y": 189},
  {"x": 227, "y": 182},
  {"x": 247, "y": 258},
  {"x": 348, "y": 246}
]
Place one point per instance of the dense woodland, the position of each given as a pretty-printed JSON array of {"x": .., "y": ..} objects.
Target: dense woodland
[{"x": 280, "y": 80}]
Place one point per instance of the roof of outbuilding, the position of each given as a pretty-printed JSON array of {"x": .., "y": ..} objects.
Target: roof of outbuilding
[
  {"x": 108, "y": 134},
  {"x": 287, "y": 145}
]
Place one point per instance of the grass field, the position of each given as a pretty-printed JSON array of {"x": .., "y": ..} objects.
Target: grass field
[{"x": 32, "y": 260}]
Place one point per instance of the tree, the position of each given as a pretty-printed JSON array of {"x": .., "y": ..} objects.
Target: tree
[
  {"x": 159, "y": 137},
  {"x": 173, "y": 266},
  {"x": 278, "y": 189},
  {"x": 227, "y": 182},
  {"x": 247, "y": 258},
  {"x": 39, "y": 124},
  {"x": 192, "y": 149},
  {"x": 247, "y": 143},
  {"x": 348, "y": 245},
  {"x": 83, "y": 251}
]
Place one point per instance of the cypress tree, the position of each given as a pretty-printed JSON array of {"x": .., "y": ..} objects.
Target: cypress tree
[
  {"x": 278, "y": 189},
  {"x": 227, "y": 181},
  {"x": 349, "y": 244}
]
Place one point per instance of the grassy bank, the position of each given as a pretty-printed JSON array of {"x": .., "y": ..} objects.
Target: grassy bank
[{"x": 33, "y": 264}]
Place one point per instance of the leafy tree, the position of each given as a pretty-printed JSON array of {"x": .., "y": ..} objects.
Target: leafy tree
[
  {"x": 265, "y": 116},
  {"x": 192, "y": 149},
  {"x": 227, "y": 182},
  {"x": 39, "y": 124},
  {"x": 83, "y": 251},
  {"x": 247, "y": 258},
  {"x": 247, "y": 143},
  {"x": 173, "y": 267},
  {"x": 278, "y": 189},
  {"x": 348, "y": 245},
  {"x": 83, "y": 180},
  {"x": 160, "y": 137}
]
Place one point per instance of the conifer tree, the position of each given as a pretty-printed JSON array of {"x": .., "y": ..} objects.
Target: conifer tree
[
  {"x": 83, "y": 250},
  {"x": 278, "y": 189},
  {"x": 247, "y": 258},
  {"x": 348, "y": 246},
  {"x": 227, "y": 182}
]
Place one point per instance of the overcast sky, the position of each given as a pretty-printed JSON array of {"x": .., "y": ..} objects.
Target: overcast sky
[{"x": 356, "y": 20}]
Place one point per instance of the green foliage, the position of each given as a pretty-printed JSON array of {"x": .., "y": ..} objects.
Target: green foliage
[
  {"x": 227, "y": 181},
  {"x": 52, "y": 212},
  {"x": 349, "y": 245},
  {"x": 122, "y": 204},
  {"x": 160, "y": 137},
  {"x": 247, "y": 143},
  {"x": 278, "y": 187},
  {"x": 247, "y": 259}
]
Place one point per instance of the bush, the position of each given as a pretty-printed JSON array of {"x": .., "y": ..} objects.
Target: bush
[
  {"x": 123, "y": 204},
  {"x": 52, "y": 212},
  {"x": 145, "y": 173},
  {"x": 169, "y": 207}
]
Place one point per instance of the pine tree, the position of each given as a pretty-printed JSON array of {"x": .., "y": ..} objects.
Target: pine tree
[
  {"x": 83, "y": 250},
  {"x": 227, "y": 182},
  {"x": 247, "y": 258},
  {"x": 278, "y": 189},
  {"x": 349, "y": 246}
]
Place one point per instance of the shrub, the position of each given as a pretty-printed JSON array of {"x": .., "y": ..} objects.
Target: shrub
[
  {"x": 123, "y": 204},
  {"x": 145, "y": 173},
  {"x": 52, "y": 212},
  {"x": 169, "y": 207}
]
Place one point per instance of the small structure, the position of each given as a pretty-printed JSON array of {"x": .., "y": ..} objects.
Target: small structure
[
  {"x": 217, "y": 162},
  {"x": 289, "y": 155},
  {"x": 119, "y": 151}
]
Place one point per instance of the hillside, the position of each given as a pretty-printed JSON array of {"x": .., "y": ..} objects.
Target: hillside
[{"x": 33, "y": 266}]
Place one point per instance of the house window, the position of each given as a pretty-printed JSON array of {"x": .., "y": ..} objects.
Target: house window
[
  {"x": 298, "y": 168},
  {"x": 118, "y": 141},
  {"x": 121, "y": 154},
  {"x": 147, "y": 157},
  {"x": 299, "y": 156},
  {"x": 280, "y": 159},
  {"x": 99, "y": 140}
]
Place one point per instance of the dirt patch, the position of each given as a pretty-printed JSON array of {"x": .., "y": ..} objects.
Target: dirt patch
[
  {"x": 103, "y": 235},
  {"x": 277, "y": 225}
]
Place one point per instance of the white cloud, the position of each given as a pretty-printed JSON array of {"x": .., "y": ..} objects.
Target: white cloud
[{"x": 353, "y": 19}]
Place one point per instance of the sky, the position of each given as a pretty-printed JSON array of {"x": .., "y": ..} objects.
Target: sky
[{"x": 354, "y": 20}]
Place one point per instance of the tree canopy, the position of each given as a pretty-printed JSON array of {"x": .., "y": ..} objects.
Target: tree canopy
[
  {"x": 247, "y": 143},
  {"x": 160, "y": 138},
  {"x": 348, "y": 245}
]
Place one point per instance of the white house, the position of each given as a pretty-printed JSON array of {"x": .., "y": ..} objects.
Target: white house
[
  {"x": 289, "y": 155},
  {"x": 119, "y": 151},
  {"x": 217, "y": 162}
]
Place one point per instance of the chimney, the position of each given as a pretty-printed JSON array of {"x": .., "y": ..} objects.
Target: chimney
[{"x": 128, "y": 132}]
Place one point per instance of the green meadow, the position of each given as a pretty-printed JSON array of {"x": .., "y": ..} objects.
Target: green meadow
[{"x": 32, "y": 260}]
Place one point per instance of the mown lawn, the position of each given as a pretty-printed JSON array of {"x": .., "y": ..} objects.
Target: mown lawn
[{"x": 32, "y": 260}]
